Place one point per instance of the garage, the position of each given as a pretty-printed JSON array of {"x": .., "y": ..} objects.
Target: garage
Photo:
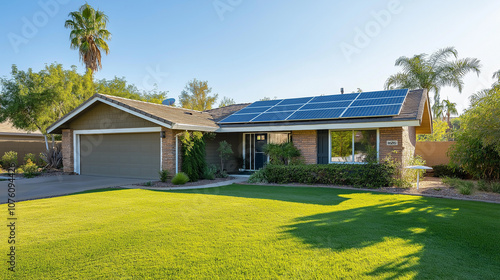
[{"x": 133, "y": 155}]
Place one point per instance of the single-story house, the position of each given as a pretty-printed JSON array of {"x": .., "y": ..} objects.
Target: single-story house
[
  {"x": 109, "y": 135},
  {"x": 20, "y": 141}
]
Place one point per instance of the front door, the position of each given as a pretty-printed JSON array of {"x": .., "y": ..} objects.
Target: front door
[
  {"x": 260, "y": 157},
  {"x": 254, "y": 150}
]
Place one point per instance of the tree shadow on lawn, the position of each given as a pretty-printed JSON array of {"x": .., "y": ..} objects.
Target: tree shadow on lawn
[
  {"x": 320, "y": 196},
  {"x": 420, "y": 238}
]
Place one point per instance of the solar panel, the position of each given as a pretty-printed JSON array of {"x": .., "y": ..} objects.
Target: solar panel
[
  {"x": 382, "y": 94},
  {"x": 337, "y": 97},
  {"x": 372, "y": 111},
  {"x": 234, "y": 118},
  {"x": 252, "y": 110},
  {"x": 266, "y": 103},
  {"x": 327, "y": 105},
  {"x": 284, "y": 108},
  {"x": 353, "y": 105},
  {"x": 275, "y": 116},
  {"x": 300, "y": 101},
  {"x": 379, "y": 101},
  {"x": 316, "y": 114}
]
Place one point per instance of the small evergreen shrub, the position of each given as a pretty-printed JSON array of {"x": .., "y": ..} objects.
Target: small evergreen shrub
[
  {"x": 30, "y": 169},
  {"x": 180, "y": 178},
  {"x": 452, "y": 182},
  {"x": 148, "y": 184},
  {"x": 257, "y": 177},
  {"x": 193, "y": 154},
  {"x": 488, "y": 186},
  {"x": 209, "y": 172},
  {"x": 443, "y": 170},
  {"x": 282, "y": 154},
  {"x": 221, "y": 174},
  {"x": 495, "y": 187},
  {"x": 164, "y": 174},
  {"x": 8, "y": 158}
]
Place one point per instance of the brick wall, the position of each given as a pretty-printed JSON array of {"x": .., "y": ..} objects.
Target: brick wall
[
  {"x": 305, "y": 141},
  {"x": 67, "y": 150},
  {"x": 168, "y": 151},
  {"x": 391, "y": 133},
  {"x": 405, "y": 149}
]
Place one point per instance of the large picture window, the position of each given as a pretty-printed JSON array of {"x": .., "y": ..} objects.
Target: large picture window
[{"x": 353, "y": 146}]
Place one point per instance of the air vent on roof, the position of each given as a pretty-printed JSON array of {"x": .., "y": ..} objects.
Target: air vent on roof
[{"x": 188, "y": 113}]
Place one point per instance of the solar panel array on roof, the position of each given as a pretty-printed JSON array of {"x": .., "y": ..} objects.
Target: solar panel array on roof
[{"x": 352, "y": 105}]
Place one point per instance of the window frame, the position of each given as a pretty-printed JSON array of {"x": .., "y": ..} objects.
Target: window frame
[{"x": 353, "y": 145}]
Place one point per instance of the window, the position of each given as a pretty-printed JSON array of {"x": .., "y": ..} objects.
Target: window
[{"x": 353, "y": 146}]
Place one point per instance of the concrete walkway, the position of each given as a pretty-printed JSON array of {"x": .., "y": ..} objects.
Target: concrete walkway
[{"x": 237, "y": 179}]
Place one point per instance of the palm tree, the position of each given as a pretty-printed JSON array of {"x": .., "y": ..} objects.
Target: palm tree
[
  {"x": 451, "y": 109},
  {"x": 433, "y": 72},
  {"x": 89, "y": 35}
]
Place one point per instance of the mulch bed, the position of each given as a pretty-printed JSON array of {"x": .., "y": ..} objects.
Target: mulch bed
[{"x": 159, "y": 184}]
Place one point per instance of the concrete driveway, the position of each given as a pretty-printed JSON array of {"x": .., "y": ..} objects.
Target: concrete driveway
[{"x": 41, "y": 187}]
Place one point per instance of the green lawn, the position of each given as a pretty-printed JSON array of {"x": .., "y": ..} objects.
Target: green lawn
[{"x": 254, "y": 232}]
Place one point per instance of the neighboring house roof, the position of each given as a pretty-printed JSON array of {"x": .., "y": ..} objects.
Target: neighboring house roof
[
  {"x": 7, "y": 128},
  {"x": 167, "y": 116},
  {"x": 414, "y": 112},
  {"x": 223, "y": 112}
]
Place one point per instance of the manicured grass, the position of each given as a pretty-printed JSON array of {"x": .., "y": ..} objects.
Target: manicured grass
[{"x": 254, "y": 232}]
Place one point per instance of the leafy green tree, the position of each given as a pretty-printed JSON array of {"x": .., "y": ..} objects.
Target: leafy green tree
[
  {"x": 193, "y": 154},
  {"x": 196, "y": 96},
  {"x": 89, "y": 35},
  {"x": 35, "y": 100},
  {"x": 433, "y": 72},
  {"x": 226, "y": 101},
  {"x": 477, "y": 148},
  {"x": 440, "y": 132},
  {"x": 119, "y": 87}
]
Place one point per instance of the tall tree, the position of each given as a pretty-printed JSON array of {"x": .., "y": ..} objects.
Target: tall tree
[
  {"x": 451, "y": 109},
  {"x": 433, "y": 72},
  {"x": 196, "y": 96},
  {"x": 226, "y": 101},
  {"x": 89, "y": 35}
]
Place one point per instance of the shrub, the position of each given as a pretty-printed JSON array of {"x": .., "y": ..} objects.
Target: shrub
[
  {"x": 30, "y": 169},
  {"x": 225, "y": 152},
  {"x": 148, "y": 184},
  {"x": 495, "y": 186},
  {"x": 258, "y": 177},
  {"x": 221, "y": 174},
  {"x": 283, "y": 153},
  {"x": 443, "y": 170},
  {"x": 452, "y": 182},
  {"x": 359, "y": 175},
  {"x": 466, "y": 188},
  {"x": 209, "y": 172},
  {"x": 403, "y": 177},
  {"x": 180, "y": 178},
  {"x": 193, "y": 154},
  {"x": 483, "y": 186},
  {"x": 164, "y": 174},
  {"x": 9, "y": 158},
  {"x": 463, "y": 187},
  {"x": 31, "y": 157},
  {"x": 53, "y": 157}
]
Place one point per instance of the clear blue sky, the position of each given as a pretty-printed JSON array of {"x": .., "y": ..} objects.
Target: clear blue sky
[{"x": 251, "y": 49}]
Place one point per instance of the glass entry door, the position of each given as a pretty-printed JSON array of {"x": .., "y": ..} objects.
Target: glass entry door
[
  {"x": 253, "y": 147},
  {"x": 254, "y": 150}
]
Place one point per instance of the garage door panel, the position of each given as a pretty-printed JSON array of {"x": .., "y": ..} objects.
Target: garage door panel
[{"x": 134, "y": 155}]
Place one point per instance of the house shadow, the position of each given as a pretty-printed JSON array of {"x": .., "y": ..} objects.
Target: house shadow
[
  {"x": 319, "y": 196},
  {"x": 440, "y": 239}
]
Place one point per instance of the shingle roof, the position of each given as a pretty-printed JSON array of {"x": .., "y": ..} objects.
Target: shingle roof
[{"x": 221, "y": 113}]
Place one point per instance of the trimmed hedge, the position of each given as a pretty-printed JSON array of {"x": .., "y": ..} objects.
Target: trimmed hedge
[
  {"x": 357, "y": 175},
  {"x": 443, "y": 170}
]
